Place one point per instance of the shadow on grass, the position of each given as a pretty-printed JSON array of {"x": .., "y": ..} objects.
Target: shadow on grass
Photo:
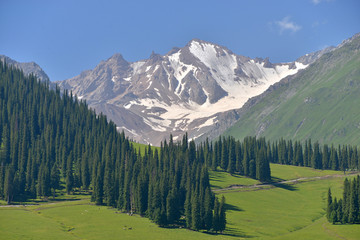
[
  {"x": 276, "y": 179},
  {"x": 232, "y": 232},
  {"x": 285, "y": 186},
  {"x": 65, "y": 199},
  {"x": 232, "y": 207}
]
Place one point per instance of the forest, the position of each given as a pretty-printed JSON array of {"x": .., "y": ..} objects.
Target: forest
[
  {"x": 347, "y": 209},
  {"x": 50, "y": 141},
  {"x": 252, "y": 156},
  {"x": 49, "y": 138}
]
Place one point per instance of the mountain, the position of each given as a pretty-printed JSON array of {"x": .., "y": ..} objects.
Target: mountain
[
  {"x": 192, "y": 89},
  {"x": 27, "y": 68},
  {"x": 321, "y": 102}
]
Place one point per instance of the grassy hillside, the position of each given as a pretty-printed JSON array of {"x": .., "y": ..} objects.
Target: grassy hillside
[
  {"x": 295, "y": 212},
  {"x": 321, "y": 103}
]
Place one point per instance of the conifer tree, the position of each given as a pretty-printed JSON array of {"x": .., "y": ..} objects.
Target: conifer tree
[
  {"x": 222, "y": 215},
  {"x": 329, "y": 208},
  {"x": 54, "y": 178},
  {"x": 208, "y": 218},
  {"x": 69, "y": 174},
  {"x": 232, "y": 157},
  {"x": 216, "y": 216},
  {"x": 195, "y": 212}
]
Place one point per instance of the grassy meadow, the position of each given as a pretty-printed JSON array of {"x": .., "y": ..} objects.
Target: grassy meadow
[{"x": 294, "y": 211}]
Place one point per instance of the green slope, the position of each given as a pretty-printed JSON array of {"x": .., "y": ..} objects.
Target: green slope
[
  {"x": 321, "y": 103},
  {"x": 291, "y": 211}
]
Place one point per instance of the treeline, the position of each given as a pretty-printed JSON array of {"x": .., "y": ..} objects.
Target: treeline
[
  {"x": 332, "y": 157},
  {"x": 249, "y": 158},
  {"x": 48, "y": 138},
  {"x": 252, "y": 156},
  {"x": 347, "y": 209},
  {"x": 162, "y": 184}
]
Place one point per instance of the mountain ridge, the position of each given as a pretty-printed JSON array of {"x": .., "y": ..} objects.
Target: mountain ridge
[
  {"x": 318, "y": 103},
  {"x": 27, "y": 67},
  {"x": 190, "y": 89}
]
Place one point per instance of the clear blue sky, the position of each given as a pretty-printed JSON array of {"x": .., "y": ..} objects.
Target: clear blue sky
[{"x": 66, "y": 37}]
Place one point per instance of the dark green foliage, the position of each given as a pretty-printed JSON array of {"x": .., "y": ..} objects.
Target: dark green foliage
[
  {"x": 347, "y": 209},
  {"x": 222, "y": 215},
  {"x": 54, "y": 178},
  {"x": 219, "y": 218},
  {"x": 46, "y": 135},
  {"x": 329, "y": 205},
  {"x": 250, "y": 158},
  {"x": 216, "y": 216}
]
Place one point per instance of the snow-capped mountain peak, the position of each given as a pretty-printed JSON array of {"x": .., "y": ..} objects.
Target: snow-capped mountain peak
[{"x": 188, "y": 89}]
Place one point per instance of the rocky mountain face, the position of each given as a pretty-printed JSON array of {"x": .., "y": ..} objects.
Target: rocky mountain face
[
  {"x": 320, "y": 102},
  {"x": 195, "y": 89},
  {"x": 27, "y": 67}
]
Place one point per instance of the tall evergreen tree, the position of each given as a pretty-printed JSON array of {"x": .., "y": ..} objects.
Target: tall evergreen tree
[{"x": 222, "y": 215}]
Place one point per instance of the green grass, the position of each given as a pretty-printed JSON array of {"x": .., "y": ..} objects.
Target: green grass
[
  {"x": 82, "y": 220},
  {"x": 295, "y": 212},
  {"x": 280, "y": 212},
  {"x": 285, "y": 172},
  {"x": 219, "y": 179}
]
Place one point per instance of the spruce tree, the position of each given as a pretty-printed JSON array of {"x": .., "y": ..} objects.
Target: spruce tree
[
  {"x": 54, "y": 179},
  {"x": 216, "y": 216},
  {"x": 69, "y": 174},
  {"x": 329, "y": 207},
  {"x": 232, "y": 157},
  {"x": 208, "y": 218},
  {"x": 222, "y": 215},
  {"x": 195, "y": 212}
]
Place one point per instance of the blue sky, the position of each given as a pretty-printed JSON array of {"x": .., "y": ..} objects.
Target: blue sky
[{"x": 66, "y": 37}]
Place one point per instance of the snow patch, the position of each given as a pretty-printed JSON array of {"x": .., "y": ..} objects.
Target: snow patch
[
  {"x": 154, "y": 125},
  {"x": 156, "y": 68},
  {"x": 208, "y": 122},
  {"x": 114, "y": 78},
  {"x": 136, "y": 66},
  {"x": 221, "y": 63},
  {"x": 180, "y": 70}
]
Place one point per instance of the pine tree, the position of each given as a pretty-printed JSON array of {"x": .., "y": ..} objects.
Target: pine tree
[
  {"x": 9, "y": 184},
  {"x": 252, "y": 169},
  {"x": 316, "y": 157},
  {"x": 171, "y": 213},
  {"x": 54, "y": 178},
  {"x": 334, "y": 213},
  {"x": 222, "y": 215},
  {"x": 216, "y": 216},
  {"x": 346, "y": 202},
  {"x": 329, "y": 208},
  {"x": 85, "y": 173},
  {"x": 208, "y": 218},
  {"x": 224, "y": 155},
  {"x": 232, "y": 157},
  {"x": 69, "y": 174},
  {"x": 195, "y": 213},
  {"x": 339, "y": 210},
  {"x": 353, "y": 203}
]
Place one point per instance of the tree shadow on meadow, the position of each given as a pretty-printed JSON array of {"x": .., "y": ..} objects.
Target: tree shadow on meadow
[
  {"x": 232, "y": 207},
  {"x": 276, "y": 179},
  {"x": 230, "y": 231},
  {"x": 286, "y": 186}
]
